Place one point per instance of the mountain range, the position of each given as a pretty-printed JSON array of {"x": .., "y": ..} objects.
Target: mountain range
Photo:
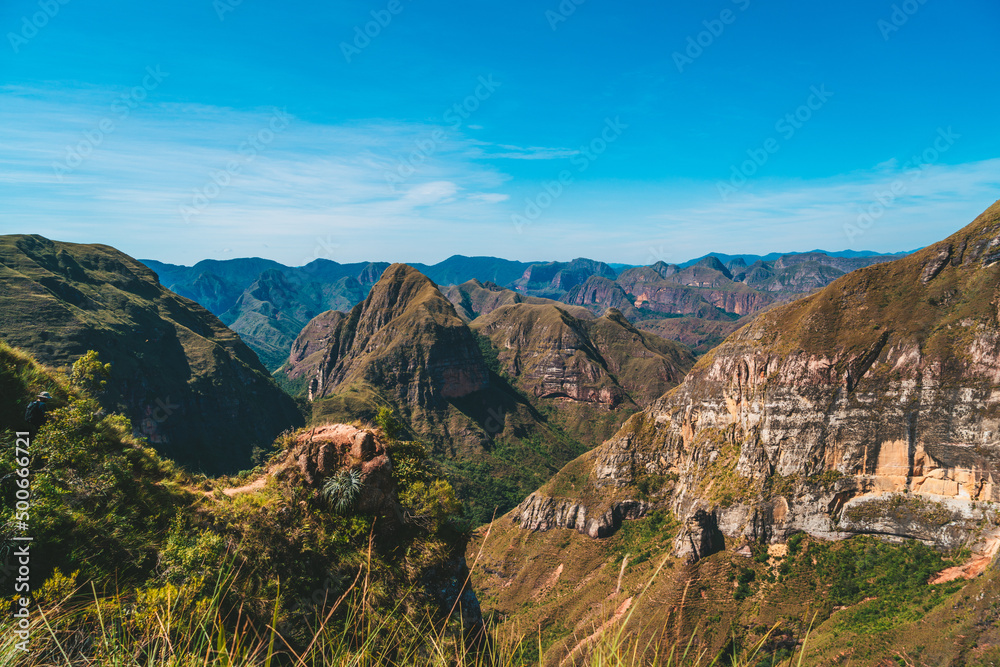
[
  {"x": 503, "y": 400},
  {"x": 268, "y": 303},
  {"x": 663, "y": 487}
]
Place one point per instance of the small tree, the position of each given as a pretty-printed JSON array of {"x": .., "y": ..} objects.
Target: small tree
[
  {"x": 431, "y": 505},
  {"x": 88, "y": 373},
  {"x": 390, "y": 427}
]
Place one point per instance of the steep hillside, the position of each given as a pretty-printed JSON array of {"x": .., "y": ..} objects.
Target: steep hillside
[
  {"x": 309, "y": 348},
  {"x": 604, "y": 362},
  {"x": 187, "y": 382},
  {"x": 142, "y": 559},
  {"x": 870, "y": 408}
]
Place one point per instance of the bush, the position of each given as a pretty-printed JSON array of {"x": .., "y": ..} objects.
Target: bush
[
  {"x": 431, "y": 505},
  {"x": 88, "y": 373},
  {"x": 794, "y": 542}
]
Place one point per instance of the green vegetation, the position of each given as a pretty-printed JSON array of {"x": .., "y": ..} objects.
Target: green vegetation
[
  {"x": 644, "y": 538},
  {"x": 901, "y": 508},
  {"x": 342, "y": 489},
  {"x": 883, "y": 585},
  {"x": 132, "y": 551},
  {"x": 491, "y": 357}
]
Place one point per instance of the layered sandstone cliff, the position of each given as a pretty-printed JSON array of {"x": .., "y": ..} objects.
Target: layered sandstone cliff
[{"x": 872, "y": 406}]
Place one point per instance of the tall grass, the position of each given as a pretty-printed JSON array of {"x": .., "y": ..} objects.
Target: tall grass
[{"x": 85, "y": 629}]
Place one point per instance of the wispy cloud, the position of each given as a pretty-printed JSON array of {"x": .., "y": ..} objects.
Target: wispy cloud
[
  {"x": 915, "y": 208},
  {"x": 319, "y": 190},
  {"x": 510, "y": 152},
  {"x": 237, "y": 169}
]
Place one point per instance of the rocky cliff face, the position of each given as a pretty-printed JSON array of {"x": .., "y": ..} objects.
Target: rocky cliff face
[
  {"x": 606, "y": 362},
  {"x": 189, "y": 384},
  {"x": 599, "y": 294},
  {"x": 310, "y": 346},
  {"x": 872, "y": 406}
]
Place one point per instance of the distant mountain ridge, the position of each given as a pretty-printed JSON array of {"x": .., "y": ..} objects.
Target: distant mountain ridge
[
  {"x": 772, "y": 256},
  {"x": 268, "y": 303}
]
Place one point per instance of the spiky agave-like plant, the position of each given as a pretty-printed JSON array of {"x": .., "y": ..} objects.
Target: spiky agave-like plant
[{"x": 342, "y": 489}]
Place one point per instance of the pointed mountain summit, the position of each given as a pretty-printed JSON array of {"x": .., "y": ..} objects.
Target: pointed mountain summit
[
  {"x": 407, "y": 339},
  {"x": 503, "y": 401},
  {"x": 712, "y": 262}
]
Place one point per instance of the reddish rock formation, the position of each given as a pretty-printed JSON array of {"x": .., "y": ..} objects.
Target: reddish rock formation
[{"x": 324, "y": 450}]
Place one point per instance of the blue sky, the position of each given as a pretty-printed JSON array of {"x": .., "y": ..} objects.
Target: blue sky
[{"x": 627, "y": 132}]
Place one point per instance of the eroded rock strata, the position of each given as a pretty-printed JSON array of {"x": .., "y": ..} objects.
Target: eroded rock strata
[{"x": 872, "y": 406}]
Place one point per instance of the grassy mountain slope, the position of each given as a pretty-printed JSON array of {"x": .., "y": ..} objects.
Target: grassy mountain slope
[
  {"x": 203, "y": 405},
  {"x": 131, "y": 557}
]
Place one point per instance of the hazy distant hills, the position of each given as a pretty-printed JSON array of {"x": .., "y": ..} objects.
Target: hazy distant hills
[{"x": 697, "y": 302}]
